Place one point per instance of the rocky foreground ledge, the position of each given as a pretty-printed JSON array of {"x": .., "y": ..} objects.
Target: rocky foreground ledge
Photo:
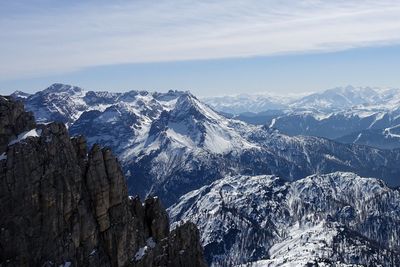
[{"x": 61, "y": 204}]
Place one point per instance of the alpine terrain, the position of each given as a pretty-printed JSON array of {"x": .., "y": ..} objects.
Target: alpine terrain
[
  {"x": 62, "y": 205},
  {"x": 358, "y": 115},
  {"x": 171, "y": 143},
  {"x": 195, "y": 133},
  {"x": 337, "y": 219},
  {"x": 259, "y": 197}
]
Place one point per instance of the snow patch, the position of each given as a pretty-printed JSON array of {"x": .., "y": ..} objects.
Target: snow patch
[
  {"x": 24, "y": 135},
  {"x": 150, "y": 244},
  {"x": 66, "y": 264},
  {"x": 304, "y": 242},
  {"x": 3, "y": 156}
]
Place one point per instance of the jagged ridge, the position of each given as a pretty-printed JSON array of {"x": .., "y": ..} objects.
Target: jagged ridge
[
  {"x": 63, "y": 205},
  {"x": 338, "y": 217},
  {"x": 171, "y": 143}
]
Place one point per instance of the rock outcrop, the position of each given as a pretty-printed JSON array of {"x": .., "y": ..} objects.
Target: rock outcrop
[
  {"x": 13, "y": 120},
  {"x": 61, "y": 204}
]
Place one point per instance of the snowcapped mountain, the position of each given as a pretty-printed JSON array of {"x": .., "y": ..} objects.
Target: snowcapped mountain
[
  {"x": 335, "y": 219},
  {"x": 172, "y": 143},
  {"x": 346, "y": 97},
  {"x": 58, "y": 102},
  {"x": 359, "y": 115},
  {"x": 217, "y": 172},
  {"x": 359, "y": 125},
  {"x": 248, "y": 103},
  {"x": 328, "y": 101},
  {"x": 19, "y": 95}
]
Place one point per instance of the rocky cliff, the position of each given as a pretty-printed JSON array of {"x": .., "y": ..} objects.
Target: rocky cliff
[{"x": 61, "y": 204}]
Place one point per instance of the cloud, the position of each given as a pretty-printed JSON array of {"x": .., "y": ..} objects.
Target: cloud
[{"x": 39, "y": 37}]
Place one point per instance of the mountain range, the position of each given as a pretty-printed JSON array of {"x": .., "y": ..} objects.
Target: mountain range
[
  {"x": 328, "y": 101},
  {"x": 171, "y": 143},
  {"x": 358, "y": 115},
  {"x": 337, "y": 219},
  {"x": 259, "y": 194},
  {"x": 64, "y": 204}
]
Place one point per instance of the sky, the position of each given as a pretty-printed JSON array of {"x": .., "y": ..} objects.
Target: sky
[{"x": 208, "y": 47}]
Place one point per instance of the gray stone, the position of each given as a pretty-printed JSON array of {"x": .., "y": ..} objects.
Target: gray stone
[{"x": 59, "y": 203}]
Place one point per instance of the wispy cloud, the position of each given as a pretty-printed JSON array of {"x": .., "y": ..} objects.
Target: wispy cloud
[{"x": 39, "y": 37}]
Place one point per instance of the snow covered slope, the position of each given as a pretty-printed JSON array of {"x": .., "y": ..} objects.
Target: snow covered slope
[
  {"x": 346, "y": 97},
  {"x": 326, "y": 219},
  {"x": 58, "y": 102},
  {"x": 172, "y": 143},
  {"x": 327, "y": 101},
  {"x": 341, "y": 114},
  {"x": 248, "y": 103}
]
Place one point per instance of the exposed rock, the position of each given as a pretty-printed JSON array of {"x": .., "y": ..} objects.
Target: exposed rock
[
  {"x": 60, "y": 204},
  {"x": 13, "y": 120},
  {"x": 177, "y": 249},
  {"x": 157, "y": 218}
]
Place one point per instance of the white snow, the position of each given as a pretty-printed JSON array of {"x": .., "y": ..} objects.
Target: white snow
[
  {"x": 388, "y": 132},
  {"x": 273, "y": 121},
  {"x": 24, "y": 135},
  {"x": 150, "y": 244},
  {"x": 110, "y": 116},
  {"x": 358, "y": 138},
  {"x": 66, "y": 264},
  {"x": 237, "y": 104},
  {"x": 3, "y": 156},
  {"x": 304, "y": 242},
  {"x": 297, "y": 212}
]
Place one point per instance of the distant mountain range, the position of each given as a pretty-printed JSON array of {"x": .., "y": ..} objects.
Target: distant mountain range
[
  {"x": 243, "y": 103},
  {"x": 171, "y": 143},
  {"x": 359, "y": 115},
  {"x": 257, "y": 194},
  {"x": 331, "y": 100}
]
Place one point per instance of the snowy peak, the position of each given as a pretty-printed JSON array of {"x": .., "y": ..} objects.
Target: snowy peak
[
  {"x": 340, "y": 98},
  {"x": 248, "y": 103},
  {"x": 189, "y": 105},
  {"x": 19, "y": 95},
  {"x": 59, "y": 102},
  {"x": 66, "y": 103},
  {"x": 340, "y": 217},
  {"x": 335, "y": 99},
  {"x": 169, "y": 96},
  {"x": 192, "y": 125},
  {"x": 100, "y": 98},
  {"x": 62, "y": 88}
]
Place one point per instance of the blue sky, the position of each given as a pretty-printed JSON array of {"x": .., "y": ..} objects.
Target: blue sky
[{"x": 207, "y": 47}]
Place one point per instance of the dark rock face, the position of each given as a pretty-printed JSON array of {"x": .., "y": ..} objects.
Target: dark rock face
[
  {"x": 13, "y": 120},
  {"x": 63, "y": 205},
  {"x": 177, "y": 250}
]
